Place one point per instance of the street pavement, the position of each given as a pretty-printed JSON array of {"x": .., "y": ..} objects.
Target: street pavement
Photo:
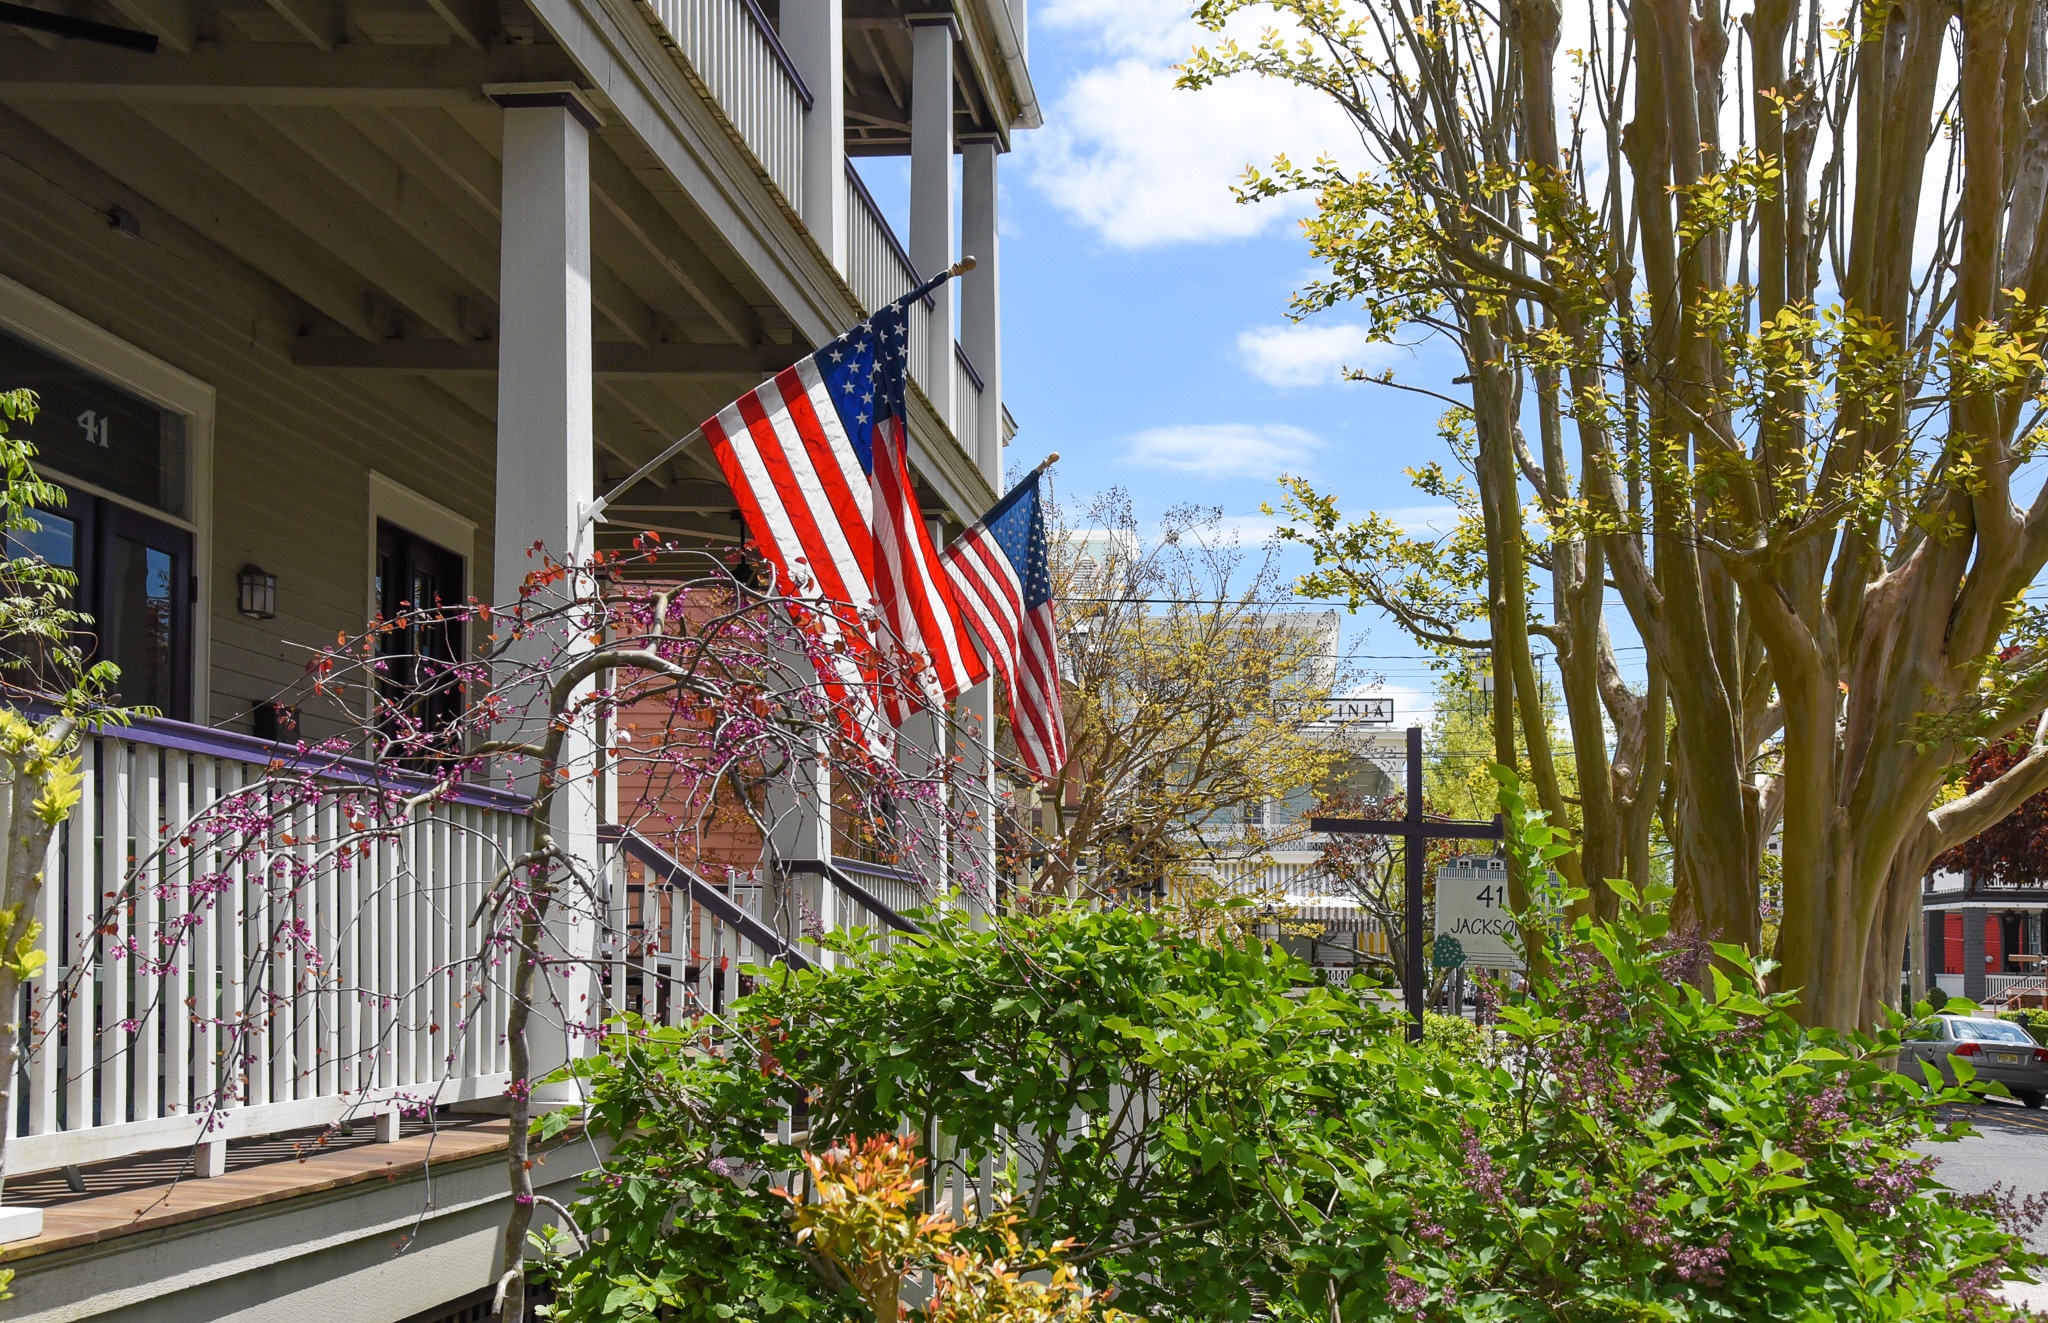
[{"x": 2010, "y": 1147}]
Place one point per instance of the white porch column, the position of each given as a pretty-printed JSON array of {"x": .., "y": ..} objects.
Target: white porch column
[
  {"x": 811, "y": 33},
  {"x": 799, "y": 831},
  {"x": 921, "y": 751},
  {"x": 931, "y": 190},
  {"x": 981, "y": 299},
  {"x": 544, "y": 464}
]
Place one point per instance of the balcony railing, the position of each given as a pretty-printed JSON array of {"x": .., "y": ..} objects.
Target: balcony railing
[
  {"x": 879, "y": 270},
  {"x": 967, "y": 390},
  {"x": 313, "y": 986},
  {"x": 734, "y": 51}
]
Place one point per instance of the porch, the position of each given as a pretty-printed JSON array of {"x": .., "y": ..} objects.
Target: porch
[
  {"x": 333, "y": 306},
  {"x": 1985, "y": 944},
  {"x": 166, "y": 1103}
]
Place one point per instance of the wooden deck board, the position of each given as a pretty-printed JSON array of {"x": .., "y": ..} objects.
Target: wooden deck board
[{"x": 96, "y": 1218}]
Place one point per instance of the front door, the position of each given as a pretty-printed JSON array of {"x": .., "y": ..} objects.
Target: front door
[
  {"x": 142, "y": 599},
  {"x": 135, "y": 582}
]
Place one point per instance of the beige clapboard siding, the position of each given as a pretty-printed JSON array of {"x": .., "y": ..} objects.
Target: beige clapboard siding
[{"x": 291, "y": 449}]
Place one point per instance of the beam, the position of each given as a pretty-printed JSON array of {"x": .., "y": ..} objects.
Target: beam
[
  {"x": 461, "y": 165},
  {"x": 382, "y": 183},
  {"x": 617, "y": 361},
  {"x": 474, "y": 22},
  {"x": 641, "y": 214},
  {"x": 312, "y": 210},
  {"x": 268, "y": 73},
  {"x": 318, "y": 21},
  {"x": 171, "y": 20},
  {"x": 157, "y": 168}
]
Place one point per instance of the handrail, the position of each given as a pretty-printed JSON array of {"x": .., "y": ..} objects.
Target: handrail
[
  {"x": 860, "y": 188},
  {"x": 654, "y": 858},
  {"x": 207, "y": 741},
  {"x": 866, "y": 899},
  {"x": 774, "y": 40},
  {"x": 960, "y": 357}
]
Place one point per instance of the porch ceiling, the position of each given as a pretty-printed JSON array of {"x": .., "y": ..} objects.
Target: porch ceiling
[
  {"x": 344, "y": 151},
  {"x": 877, "y": 59}
]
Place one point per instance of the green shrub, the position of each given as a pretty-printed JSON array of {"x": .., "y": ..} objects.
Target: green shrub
[
  {"x": 1649, "y": 1134},
  {"x": 2034, "y": 1018}
]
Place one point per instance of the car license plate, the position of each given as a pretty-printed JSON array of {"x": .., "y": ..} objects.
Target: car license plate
[{"x": 2009, "y": 1058}]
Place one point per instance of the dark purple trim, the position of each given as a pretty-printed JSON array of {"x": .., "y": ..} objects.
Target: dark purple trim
[
  {"x": 184, "y": 737},
  {"x": 866, "y": 899},
  {"x": 656, "y": 860},
  {"x": 578, "y": 110},
  {"x": 860, "y": 186},
  {"x": 781, "y": 55},
  {"x": 960, "y": 357}
]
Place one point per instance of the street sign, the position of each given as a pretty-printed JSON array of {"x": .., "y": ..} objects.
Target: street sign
[
  {"x": 1416, "y": 829},
  {"x": 1472, "y": 911},
  {"x": 1343, "y": 711}
]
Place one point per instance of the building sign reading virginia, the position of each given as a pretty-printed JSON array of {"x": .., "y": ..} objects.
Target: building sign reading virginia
[{"x": 1472, "y": 911}]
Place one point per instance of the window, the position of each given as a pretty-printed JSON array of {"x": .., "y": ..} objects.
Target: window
[
  {"x": 88, "y": 428},
  {"x": 134, "y": 571},
  {"x": 415, "y": 574},
  {"x": 124, "y": 434},
  {"x": 1989, "y": 1031}
]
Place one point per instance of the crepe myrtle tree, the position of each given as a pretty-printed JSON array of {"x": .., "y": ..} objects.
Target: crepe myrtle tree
[
  {"x": 670, "y": 669},
  {"x": 1748, "y": 302},
  {"x": 52, "y": 693}
]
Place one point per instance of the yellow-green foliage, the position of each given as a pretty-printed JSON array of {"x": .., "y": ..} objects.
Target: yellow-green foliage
[
  {"x": 32, "y": 750},
  {"x": 18, "y": 953}
]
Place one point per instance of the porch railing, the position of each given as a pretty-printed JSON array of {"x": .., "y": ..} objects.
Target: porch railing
[
  {"x": 733, "y": 49},
  {"x": 967, "y": 390},
  {"x": 2007, "y": 988},
  {"x": 169, "y": 1014},
  {"x": 680, "y": 942},
  {"x": 848, "y": 894}
]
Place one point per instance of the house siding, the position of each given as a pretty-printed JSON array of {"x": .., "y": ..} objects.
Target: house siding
[{"x": 292, "y": 449}]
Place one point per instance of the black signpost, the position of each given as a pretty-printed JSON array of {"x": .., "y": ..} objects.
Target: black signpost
[{"x": 1415, "y": 832}]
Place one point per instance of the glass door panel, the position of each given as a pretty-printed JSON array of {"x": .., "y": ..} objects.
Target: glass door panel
[{"x": 144, "y": 608}]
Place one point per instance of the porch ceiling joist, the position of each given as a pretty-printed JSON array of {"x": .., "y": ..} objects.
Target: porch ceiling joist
[
  {"x": 470, "y": 178},
  {"x": 641, "y": 215},
  {"x": 158, "y": 168},
  {"x": 318, "y": 21},
  {"x": 332, "y": 220},
  {"x": 382, "y": 183},
  {"x": 268, "y": 73},
  {"x": 613, "y": 361},
  {"x": 173, "y": 21}
]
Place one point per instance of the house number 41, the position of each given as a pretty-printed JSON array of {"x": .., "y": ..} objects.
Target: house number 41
[{"x": 98, "y": 428}]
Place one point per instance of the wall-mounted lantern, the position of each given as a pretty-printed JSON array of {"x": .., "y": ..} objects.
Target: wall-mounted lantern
[{"x": 258, "y": 599}]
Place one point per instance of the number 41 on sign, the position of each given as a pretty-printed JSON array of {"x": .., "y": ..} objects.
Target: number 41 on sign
[{"x": 1472, "y": 910}]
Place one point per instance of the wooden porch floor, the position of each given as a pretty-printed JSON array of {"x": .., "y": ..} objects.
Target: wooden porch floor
[{"x": 151, "y": 1191}]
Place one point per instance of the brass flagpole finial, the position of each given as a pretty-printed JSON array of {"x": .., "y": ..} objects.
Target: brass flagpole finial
[{"x": 962, "y": 267}]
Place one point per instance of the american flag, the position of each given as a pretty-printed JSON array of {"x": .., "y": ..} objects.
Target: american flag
[
  {"x": 843, "y": 531},
  {"x": 1003, "y": 579}
]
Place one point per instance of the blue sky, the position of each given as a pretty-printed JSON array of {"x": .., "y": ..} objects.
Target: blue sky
[{"x": 1145, "y": 321}]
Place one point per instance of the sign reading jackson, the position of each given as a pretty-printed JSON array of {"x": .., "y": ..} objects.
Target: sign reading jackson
[{"x": 1472, "y": 909}]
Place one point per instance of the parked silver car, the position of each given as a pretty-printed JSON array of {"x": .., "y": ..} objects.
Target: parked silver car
[{"x": 1997, "y": 1049}]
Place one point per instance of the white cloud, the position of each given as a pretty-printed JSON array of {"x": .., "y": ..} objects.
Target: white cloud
[
  {"x": 1139, "y": 161},
  {"x": 1311, "y": 355},
  {"x": 1223, "y": 450},
  {"x": 1154, "y": 29}
]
